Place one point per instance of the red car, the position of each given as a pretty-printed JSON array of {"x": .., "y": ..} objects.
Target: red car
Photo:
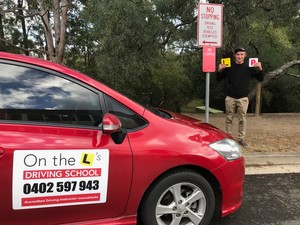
[{"x": 74, "y": 151}]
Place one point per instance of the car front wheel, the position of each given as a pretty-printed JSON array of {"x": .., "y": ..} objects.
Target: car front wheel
[{"x": 181, "y": 198}]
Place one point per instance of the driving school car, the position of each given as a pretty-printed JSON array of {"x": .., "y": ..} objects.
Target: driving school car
[{"x": 74, "y": 151}]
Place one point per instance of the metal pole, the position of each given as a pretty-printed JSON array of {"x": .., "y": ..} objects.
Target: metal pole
[
  {"x": 207, "y": 97},
  {"x": 207, "y": 93},
  {"x": 206, "y": 87}
]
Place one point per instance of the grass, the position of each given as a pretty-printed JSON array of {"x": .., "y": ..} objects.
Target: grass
[
  {"x": 191, "y": 106},
  {"x": 200, "y": 104}
]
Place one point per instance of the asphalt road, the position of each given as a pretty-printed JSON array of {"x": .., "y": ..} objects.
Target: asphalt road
[{"x": 269, "y": 199}]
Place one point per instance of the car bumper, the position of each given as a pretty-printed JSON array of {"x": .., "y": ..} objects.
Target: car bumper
[{"x": 231, "y": 176}]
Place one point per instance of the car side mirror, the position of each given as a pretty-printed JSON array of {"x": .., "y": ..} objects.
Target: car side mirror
[{"x": 110, "y": 124}]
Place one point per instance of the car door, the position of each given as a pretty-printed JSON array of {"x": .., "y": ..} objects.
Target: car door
[{"x": 56, "y": 164}]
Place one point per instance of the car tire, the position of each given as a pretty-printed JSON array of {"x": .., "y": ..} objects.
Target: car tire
[{"x": 182, "y": 197}]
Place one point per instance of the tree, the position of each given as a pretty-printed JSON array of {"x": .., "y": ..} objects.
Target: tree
[
  {"x": 132, "y": 53},
  {"x": 51, "y": 15},
  {"x": 124, "y": 43},
  {"x": 268, "y": 30},
  {"x": 143, "y": 47},
  {"x": 80, "y": 46},
  {"x": 275, "y": 74},
  {"x": 170, "y": 87},
  {"x": 54, "y": 33}
]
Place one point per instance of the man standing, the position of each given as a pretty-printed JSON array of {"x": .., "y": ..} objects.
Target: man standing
[{"x": 236, "y": 102}]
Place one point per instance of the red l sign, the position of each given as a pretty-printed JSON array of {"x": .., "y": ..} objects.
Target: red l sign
[{"x": 209, "y": 59}]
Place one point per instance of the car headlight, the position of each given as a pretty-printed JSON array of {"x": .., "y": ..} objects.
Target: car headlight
[{"x": 228, "y": 148}]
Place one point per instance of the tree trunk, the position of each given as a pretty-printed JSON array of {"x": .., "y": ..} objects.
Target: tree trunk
[
  {"x": 272, "y": 75},
  {"x": 55, "y": 43},
  {"x": 21, "y": 18},
  {"x": 258, "y": 99},
  {"x": 60, "y": 21},
  {"x": 2, "y": 43}
]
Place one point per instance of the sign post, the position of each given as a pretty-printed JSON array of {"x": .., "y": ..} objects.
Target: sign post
[{"x": 209, "y": 36}]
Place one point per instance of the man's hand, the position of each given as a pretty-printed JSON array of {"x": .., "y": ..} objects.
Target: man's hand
[
  {"x": 221, "y": 67},
  {"x": 258, "y": 65}
]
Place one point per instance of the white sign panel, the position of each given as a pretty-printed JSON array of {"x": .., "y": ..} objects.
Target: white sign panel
[
  {"x": 51, "y": 178},
  {"x": 252, "y": 61},
  {"x": 210, "y": 25}
]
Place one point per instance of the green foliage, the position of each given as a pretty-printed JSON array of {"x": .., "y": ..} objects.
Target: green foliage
[
  {"x": 124, "y": 43},
  {"x": 147, "y": 49},
  {"x": 80, "y": 54},
  {"x": 128, "y": 53},
  {"x": 268, "y": 30},
  {"x": 170, "y": 87},
  {"x": 283, "y": 99},
  {"x": 191, "y": 62}
]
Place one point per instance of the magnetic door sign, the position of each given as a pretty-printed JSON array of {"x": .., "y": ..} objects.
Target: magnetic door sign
[
  {"x": 210, "y": 25},
  {"x": 51, "y": 178}
]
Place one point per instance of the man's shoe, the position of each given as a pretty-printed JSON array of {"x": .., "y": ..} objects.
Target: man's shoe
[{"x": 243, "y": 143}]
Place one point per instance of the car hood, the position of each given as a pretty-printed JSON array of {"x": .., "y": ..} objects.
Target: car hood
[{"x": 198, "y": 125}]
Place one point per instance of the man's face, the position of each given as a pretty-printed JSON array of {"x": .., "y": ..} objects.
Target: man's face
[{"x": 240, "y": 57}]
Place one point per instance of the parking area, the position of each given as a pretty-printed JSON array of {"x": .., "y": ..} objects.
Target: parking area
[
  {"x": 272, "y": 191},
  {"x": 270, "y": 199}
]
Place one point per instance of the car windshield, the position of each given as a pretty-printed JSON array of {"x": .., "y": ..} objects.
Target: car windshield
[{"x": 158, "y": 111}]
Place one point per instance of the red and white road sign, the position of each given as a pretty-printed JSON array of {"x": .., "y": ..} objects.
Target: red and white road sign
[
  {"x": 210, "y": 25},
  {"x": 209, "y": 59}
]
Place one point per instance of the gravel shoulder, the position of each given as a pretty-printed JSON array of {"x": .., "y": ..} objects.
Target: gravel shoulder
[{"x": 265, "y": 133}]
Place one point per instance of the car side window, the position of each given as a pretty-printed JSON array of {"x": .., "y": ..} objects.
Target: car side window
[
  {"x": 128, "y": 118},
  {"x": 29, "y": 94}
]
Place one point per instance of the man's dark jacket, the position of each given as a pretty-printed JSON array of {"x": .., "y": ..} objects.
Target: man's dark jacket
[{"x": 238, "y": 77}]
